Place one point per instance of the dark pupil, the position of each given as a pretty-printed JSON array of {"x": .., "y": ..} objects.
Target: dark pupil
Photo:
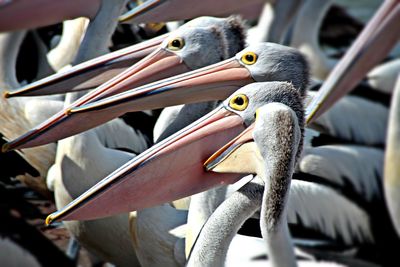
[
  {"x": 239, "y": 101},
  {"x": 249, "y": 58},
  {"x": 176, "y": 43}
]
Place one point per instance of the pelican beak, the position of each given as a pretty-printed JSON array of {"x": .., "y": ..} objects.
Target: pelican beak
[
  {"x": 215, "y": 82},
  {"x": 237, "y": 156},
  {"x": 142, "y": 9},
  {"x": 372, "y": 45},
  {"x": 165, "y": 10},
  {"x": 169, "y": 170},
  {"x": 90, "y": 74}
]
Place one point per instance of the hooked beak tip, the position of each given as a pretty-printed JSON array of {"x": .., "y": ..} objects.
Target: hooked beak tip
[
  {"x": 7, "y": 94},
  {"x": 5, "y": 148},
  {"x": 49, "y": 219},
  {"x": 208, "y": 164},
  {"x": 211, "y": 162}
]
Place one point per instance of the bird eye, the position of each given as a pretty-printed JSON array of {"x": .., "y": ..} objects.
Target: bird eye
[
  {"x": 249, "y": 58},
  {"x": 176, "y": 44},
  {"x": 239, "y": 102}
]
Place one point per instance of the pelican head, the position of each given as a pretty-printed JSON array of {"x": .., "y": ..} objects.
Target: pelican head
[
  {"x": 173, "y": 168},
  {"x": 247, "y": 152},
  {"x": 243, "y": 154}
]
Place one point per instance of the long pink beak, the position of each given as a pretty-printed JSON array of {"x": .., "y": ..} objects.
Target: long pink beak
[
  {"x": 90, "y": 74},
  {"x": 169, "y": 170},
  {"x": 373, "y": 44},
  {"x": 23, "y": 14},
  {"x": 215, "y": 82}
]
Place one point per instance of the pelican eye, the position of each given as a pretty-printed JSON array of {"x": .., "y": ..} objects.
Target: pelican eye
[
  {"x": 176, "y": 44},
  {"x": 239, "y": 102},
  {"x": 249, "y": 58}
]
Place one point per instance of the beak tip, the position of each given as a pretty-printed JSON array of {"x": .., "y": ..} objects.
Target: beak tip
[
  {"x": 122, "y": 19},
  {"x": 209, "y": 164},
  {"x": 125, "y": 18},
  {"x": 5, "y": 148},
  {"x": 7, "y": 94},
  {"x": 49, "y": 219}
]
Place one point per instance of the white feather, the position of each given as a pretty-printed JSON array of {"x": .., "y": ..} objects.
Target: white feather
[
  {"x": 321, "y": 208},
  {"x": 384, "y": 76},
  {"x": 360, "y": 166},
  {"x": 158, "y": 235},
  {"x": 117, "y": 134},
  {"x": 355, "y": 119}
]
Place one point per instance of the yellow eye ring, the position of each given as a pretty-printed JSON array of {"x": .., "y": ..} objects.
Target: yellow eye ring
[
  {"x": 249, "y": 58},
  {"x": 176, "y": 44},
  {"x": 239, "y": 102}
]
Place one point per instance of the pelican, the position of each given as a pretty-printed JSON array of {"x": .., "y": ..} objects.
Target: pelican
[
  {"x": 259, "y": 62},
  {"x": 391, "y": 172},
  {"x": 277, "y": 136},
  {"x": 333, "y": 164}
]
